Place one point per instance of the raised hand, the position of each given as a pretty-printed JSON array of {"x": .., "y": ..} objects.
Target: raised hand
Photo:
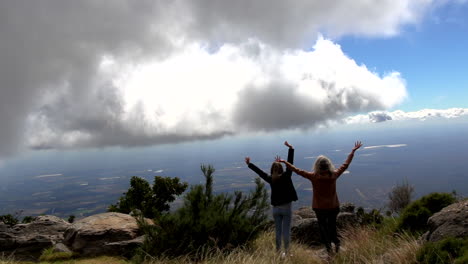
[
  {"x": 357, "y": 145},
  {"x": 247, "y": 160},
  {"x": 287, "y": 144},
  {"x": 278, "y": 159}
]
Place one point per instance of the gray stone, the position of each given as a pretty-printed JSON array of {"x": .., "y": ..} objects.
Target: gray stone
[
  {"x": 452, "y": 221},
  {"x": 27, "y": 241},
  {"x": 347, "y": 208},
  {"x": 103, "y": 234},
  {"x": 60, "y": 247}
]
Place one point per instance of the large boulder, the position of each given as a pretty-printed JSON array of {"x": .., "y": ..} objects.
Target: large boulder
[
  {"x": 452, "y": 221},
  {"x": 305, "y": 227},
  {"x": 104, "y": 234},
  {"x": 27, "y": 241}
]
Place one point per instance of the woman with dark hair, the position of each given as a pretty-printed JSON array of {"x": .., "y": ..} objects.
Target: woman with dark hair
[
  {"x": 282, "y": 195},
  {"x": 325, "y": 199}
]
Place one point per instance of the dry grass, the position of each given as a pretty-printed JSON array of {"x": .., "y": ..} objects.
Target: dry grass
[
  {"x": 262, "y": 252},
  {"x": 367, "y": 245}
]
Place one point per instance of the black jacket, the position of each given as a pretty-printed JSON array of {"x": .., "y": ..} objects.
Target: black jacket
[{"x": 282, "y": 191}]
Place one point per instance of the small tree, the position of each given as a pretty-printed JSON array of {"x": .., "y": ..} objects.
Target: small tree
[
  {"x": 400, "y": 197},
  {"x": 71, "y": 219},
  {"x": 151, "y": 201}
]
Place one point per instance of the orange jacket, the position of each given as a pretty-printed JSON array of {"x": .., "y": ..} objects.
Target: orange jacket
[{"x": 324, "y": 186}]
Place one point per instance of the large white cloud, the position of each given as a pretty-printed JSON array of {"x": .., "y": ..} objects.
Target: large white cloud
[{"x": 61, "y": 65}]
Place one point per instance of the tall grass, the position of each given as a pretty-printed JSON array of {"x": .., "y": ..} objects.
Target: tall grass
[
  {"x": 372, "y": 245},
  {"x": 262, "y": 252}
]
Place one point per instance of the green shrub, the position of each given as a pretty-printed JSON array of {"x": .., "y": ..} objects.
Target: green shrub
[
  {"x": 449, "y": 250},
  {"x": 28, "y": 219},
  {"x": 207, "y": 221},
  {"x": 50, "y": 255},
  {"x": 414, "y": 217},
  {"x": 9, "y": 219},
  {"x": 150, "y": 201},
  {"x": 374, "y": 217}
]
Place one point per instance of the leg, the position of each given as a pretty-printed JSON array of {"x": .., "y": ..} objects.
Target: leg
[
  {"x": 287, "y": 228},
  {"x": 332, "y": 228},
  {"x": 278, "y": 217},
  {"x": 322, "y": 222}
]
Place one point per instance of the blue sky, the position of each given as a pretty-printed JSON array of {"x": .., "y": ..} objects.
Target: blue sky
[{"x": 431, "y": 56}]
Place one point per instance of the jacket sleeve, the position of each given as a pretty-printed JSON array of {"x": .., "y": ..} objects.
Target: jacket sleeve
[
  {"x": 345, "y": 165},
  {"x": 291, "y": 161},
  {"x": 303, "y": 173},
  {"x": 260, "y": 173}
]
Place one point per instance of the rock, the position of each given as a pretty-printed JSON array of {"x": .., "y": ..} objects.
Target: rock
[
  {"x": 306, "y": 231},
  {"x": 103, "y": 234},
  {"x": 305, "y": 212},
  {"x": 345, "y": 220},
  {"x": 305, "y": 225},
  {"x": 126, "y": 247},
  {"x": 27, "y": 241},
  {"x": 60, "y": 247},
  {"x": 452, "y": 221},
  {"x": 347, "y": 208}
]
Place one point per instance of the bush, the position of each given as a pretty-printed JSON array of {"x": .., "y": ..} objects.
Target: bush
[
  {"x": 449, "y": 250},
  {"x": 150, "y": 201},
  {"x": 9, "y": 219},
  {"x": 400, "y": 197},
  {"x": 207, "y": 221},
  {"x": 414, "y": 217},
  {"x": 374, "y": 217},
  {"x": 28, "y": 219},
  {"x": 71, "y": 219}
]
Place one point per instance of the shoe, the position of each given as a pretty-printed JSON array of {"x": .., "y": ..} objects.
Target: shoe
[
  {"x": 337, "y": 248},
  {"x": 283, "y": 255}
]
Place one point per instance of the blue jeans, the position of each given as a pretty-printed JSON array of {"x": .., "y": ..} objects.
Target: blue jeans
[{"x": 282, "y": 215}]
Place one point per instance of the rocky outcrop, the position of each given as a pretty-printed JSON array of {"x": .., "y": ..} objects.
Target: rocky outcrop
[
  {"x": 305, "y": 227},
  {"x": 452, "y": 221},
  {"x": 27, "y": 241},
  {"x": 104, "y": 234}
]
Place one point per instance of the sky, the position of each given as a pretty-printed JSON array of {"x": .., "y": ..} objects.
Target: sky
[{"x": 98, "y": 74}]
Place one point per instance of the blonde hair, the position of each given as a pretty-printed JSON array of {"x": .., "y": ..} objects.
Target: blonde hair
[
  {"x": 276, "y": 171},
  {"x": 323, "y": 165}
]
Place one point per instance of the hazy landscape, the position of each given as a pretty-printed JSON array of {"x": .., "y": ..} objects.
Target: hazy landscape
[{"x": 431, "y": 156}]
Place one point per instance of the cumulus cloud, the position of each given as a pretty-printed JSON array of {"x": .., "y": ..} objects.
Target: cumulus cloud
[
  {"x": 67, "y": 68},
  {"x": 399, "y": 115}
]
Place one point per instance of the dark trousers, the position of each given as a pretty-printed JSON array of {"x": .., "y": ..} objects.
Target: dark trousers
[{"x": 327, "y": 226}]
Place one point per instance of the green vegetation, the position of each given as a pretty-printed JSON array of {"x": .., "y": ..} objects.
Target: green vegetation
[
  {"x": 374, "y": 217},
  {"x": 50, "y": 255},
  {"x": 150, "y": 201},
  {"x": 208, "y": 221},
  {"x": 414, "y": 217},
  {"x": 449, "y": 250},
  {"x": 71, "y": 219},
  {"x": 9, "y": 219}
]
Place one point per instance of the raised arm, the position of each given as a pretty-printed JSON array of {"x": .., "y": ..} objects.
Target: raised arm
[
  {"x": 257, "y": 170},
  {"x": 303, "y": 173},
  {"x": 345, "y": 165},
  {"x": 290, "y": 157}
]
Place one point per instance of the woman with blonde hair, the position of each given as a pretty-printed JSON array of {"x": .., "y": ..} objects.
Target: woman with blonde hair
[
  {"x": 282, "y": 195},
  {"x": 325, "y": 199}
]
